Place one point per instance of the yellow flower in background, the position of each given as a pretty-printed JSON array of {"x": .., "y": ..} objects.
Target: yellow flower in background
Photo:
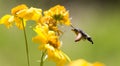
[
  {"x": 98, "y": 64},
  {"x": 7, "y": 20},
  {"x": 59, "y": 14},
  {"x": 82, "y": 62}
]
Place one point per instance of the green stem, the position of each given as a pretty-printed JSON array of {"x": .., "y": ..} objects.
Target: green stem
[
  {"x": 42, "y": 58},
  {"x": 26, "y": 43}
]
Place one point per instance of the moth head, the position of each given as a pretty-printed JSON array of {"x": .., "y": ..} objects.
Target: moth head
[{"x": 75, "y": 30}]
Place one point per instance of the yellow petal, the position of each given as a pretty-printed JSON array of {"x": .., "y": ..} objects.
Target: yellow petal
[
  {"x": 6, "y": 21},
  {"x": 37, "y": 14},
  {"x": 42, "y": 34},
  {"x": 41, "y": 29},
  {"x": 40, "y": 39}
]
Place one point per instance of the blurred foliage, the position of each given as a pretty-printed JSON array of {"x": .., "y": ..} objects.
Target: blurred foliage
[{"x": 99, "y": 18}]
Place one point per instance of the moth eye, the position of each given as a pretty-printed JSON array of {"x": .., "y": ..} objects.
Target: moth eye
[{"x": 78, "y": 37}]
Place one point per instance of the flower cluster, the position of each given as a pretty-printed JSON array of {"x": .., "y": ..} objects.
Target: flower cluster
[{"x": 48, "y": 33}]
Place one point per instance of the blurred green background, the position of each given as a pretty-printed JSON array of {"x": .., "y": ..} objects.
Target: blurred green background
[{"x": 99, "y": 18}]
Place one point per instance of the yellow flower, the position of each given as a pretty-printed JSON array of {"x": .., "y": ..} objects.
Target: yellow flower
[
  {"x": 20, "y": 22},
  {"x": 7, "y": 20},
  {"x": 56, "y": 55},
  {"x": 82, "y": 62},
  {"x": 21, "y": 14},
  {"x": 48, "y": 32},
  {"x": 59, "y": 14},
  {"x": 30, "y": 14},
  {"x": 22, "y": 11},
  {"x": 48, "y": 20},
  {"x": 18, "y": 8},
  {"x": 49, "y": 41},
  {"x": 46, "y": 36},
  {"x": 58, "y": 9},
  {"x": 43, "y": 38}
]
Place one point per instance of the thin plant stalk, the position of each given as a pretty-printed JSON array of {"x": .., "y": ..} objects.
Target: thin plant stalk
[
  {"x": 42, "y": 58},
  {"x": 26, "y": 43}
]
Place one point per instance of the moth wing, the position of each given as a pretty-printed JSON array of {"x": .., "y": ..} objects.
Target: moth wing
[{"x": 78, "y": 37}]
